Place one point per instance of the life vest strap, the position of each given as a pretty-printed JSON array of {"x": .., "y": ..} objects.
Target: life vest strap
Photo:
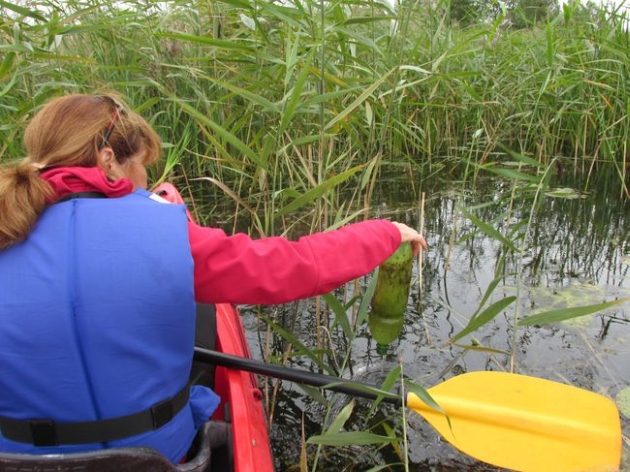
[
  {"x": 45, "y": 432},
  {"x": 72, "y": 196}
]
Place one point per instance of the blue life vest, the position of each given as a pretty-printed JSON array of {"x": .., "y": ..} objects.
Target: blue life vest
[{"x": 97, "y": 321}]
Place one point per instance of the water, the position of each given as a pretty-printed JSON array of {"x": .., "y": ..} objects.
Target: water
[{"x": 575, "y": 252}]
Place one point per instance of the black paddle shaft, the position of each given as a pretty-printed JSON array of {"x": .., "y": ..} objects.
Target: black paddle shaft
[{"x": 336, "y": 384}]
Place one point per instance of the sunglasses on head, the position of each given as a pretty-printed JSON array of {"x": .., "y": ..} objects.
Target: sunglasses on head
[{"x": 118, "y": 111}]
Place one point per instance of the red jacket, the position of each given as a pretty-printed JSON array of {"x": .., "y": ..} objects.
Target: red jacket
[{"x": 238, "y": 269}]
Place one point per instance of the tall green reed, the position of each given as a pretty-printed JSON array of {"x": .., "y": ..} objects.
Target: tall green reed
[{"x": 281, "y": 97}]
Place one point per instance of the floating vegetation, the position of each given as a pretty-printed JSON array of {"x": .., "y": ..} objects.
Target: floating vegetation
[
  {"x": 566, "y": 192},
  {"x": 576, "y": 294},
  {"x": 623, "y": 401}
]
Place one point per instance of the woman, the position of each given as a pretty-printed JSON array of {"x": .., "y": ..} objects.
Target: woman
[{"x": 99, "y": 279}]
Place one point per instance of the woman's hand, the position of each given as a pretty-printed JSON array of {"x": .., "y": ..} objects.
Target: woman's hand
[{"x": 410, "y": 235}]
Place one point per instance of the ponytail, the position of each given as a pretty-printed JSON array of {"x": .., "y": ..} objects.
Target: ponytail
[
  {"x": 68, "y": 131},
  {"x": 23, "y": 196}
]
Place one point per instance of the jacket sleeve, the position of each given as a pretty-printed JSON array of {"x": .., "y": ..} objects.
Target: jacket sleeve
[{"x": 238, "y": 269}]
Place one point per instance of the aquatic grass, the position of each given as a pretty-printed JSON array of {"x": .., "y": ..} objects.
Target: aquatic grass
[
  {"x": 554, "y": 316},
  {"x": 266, "y": 81},
  {"x": 533, "y": 188},
  {"x": 480, "y": 319}
]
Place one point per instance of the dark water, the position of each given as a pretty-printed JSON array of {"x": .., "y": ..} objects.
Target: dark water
[{"x": 574, "y": 252}]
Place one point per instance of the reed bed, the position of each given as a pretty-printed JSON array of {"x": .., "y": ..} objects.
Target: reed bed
[{"x": 280, "y": 104}]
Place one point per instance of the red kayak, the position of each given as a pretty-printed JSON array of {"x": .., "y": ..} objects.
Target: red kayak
[{"x": 241, "y": 400}]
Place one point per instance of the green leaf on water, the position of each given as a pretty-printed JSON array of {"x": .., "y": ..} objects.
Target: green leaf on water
[
  {"x": 554, "y": 316},
  {"x": 298, "y": 347},
  {"x": 340, "y": 314},
  {"x": 387, "y": 385},
  {"x": 356, "y": 438},
  {"x": 566, "y": 193},
  {"x": 484, "y": 317},
  {"x": 423, "y": 394},
  {"x": 623, "y": 401},
  {"x": 340, "y": 420},
  {"x": 481, "y": 348},
  {"x": 520, "y": 157},
  {"x": 512, "y": 174},
  {"x": 368, "y": 389},
  {"x": 378, "y": 468},
  {"x": 315, "y": 394},
  {"x": 489, "y": 230},
  {"x": 498, "y": 276},
  {"x": 367, "y": 298}
]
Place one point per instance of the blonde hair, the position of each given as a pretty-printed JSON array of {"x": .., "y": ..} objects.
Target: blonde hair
[{"x": 67, "y": 131}]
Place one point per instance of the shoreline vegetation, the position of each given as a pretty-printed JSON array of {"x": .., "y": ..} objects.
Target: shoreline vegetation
[{"x": 276, "y": 104}]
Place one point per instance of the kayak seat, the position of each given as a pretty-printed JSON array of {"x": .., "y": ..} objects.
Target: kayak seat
[{"x": 213, "y": 435}]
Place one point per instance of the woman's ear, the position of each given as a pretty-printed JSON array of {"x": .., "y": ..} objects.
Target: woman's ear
[{"x": 106, "y": 160}]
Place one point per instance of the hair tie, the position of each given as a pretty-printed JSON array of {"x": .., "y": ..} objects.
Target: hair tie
[{"x": 37, "y": 166}]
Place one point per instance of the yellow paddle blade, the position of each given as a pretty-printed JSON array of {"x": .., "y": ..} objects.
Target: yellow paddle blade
[{"x": 525, "y": 423}]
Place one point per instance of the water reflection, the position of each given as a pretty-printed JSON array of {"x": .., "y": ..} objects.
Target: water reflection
[{"x": 575, "y": 252}]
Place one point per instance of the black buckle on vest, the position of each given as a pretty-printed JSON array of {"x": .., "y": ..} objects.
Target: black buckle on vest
[
  {"x": 162, "y": 413},
  {"x": 44, "y": 432}
]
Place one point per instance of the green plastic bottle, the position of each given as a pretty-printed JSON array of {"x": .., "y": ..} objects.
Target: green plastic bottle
[{"x": 390, "y": 297}]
